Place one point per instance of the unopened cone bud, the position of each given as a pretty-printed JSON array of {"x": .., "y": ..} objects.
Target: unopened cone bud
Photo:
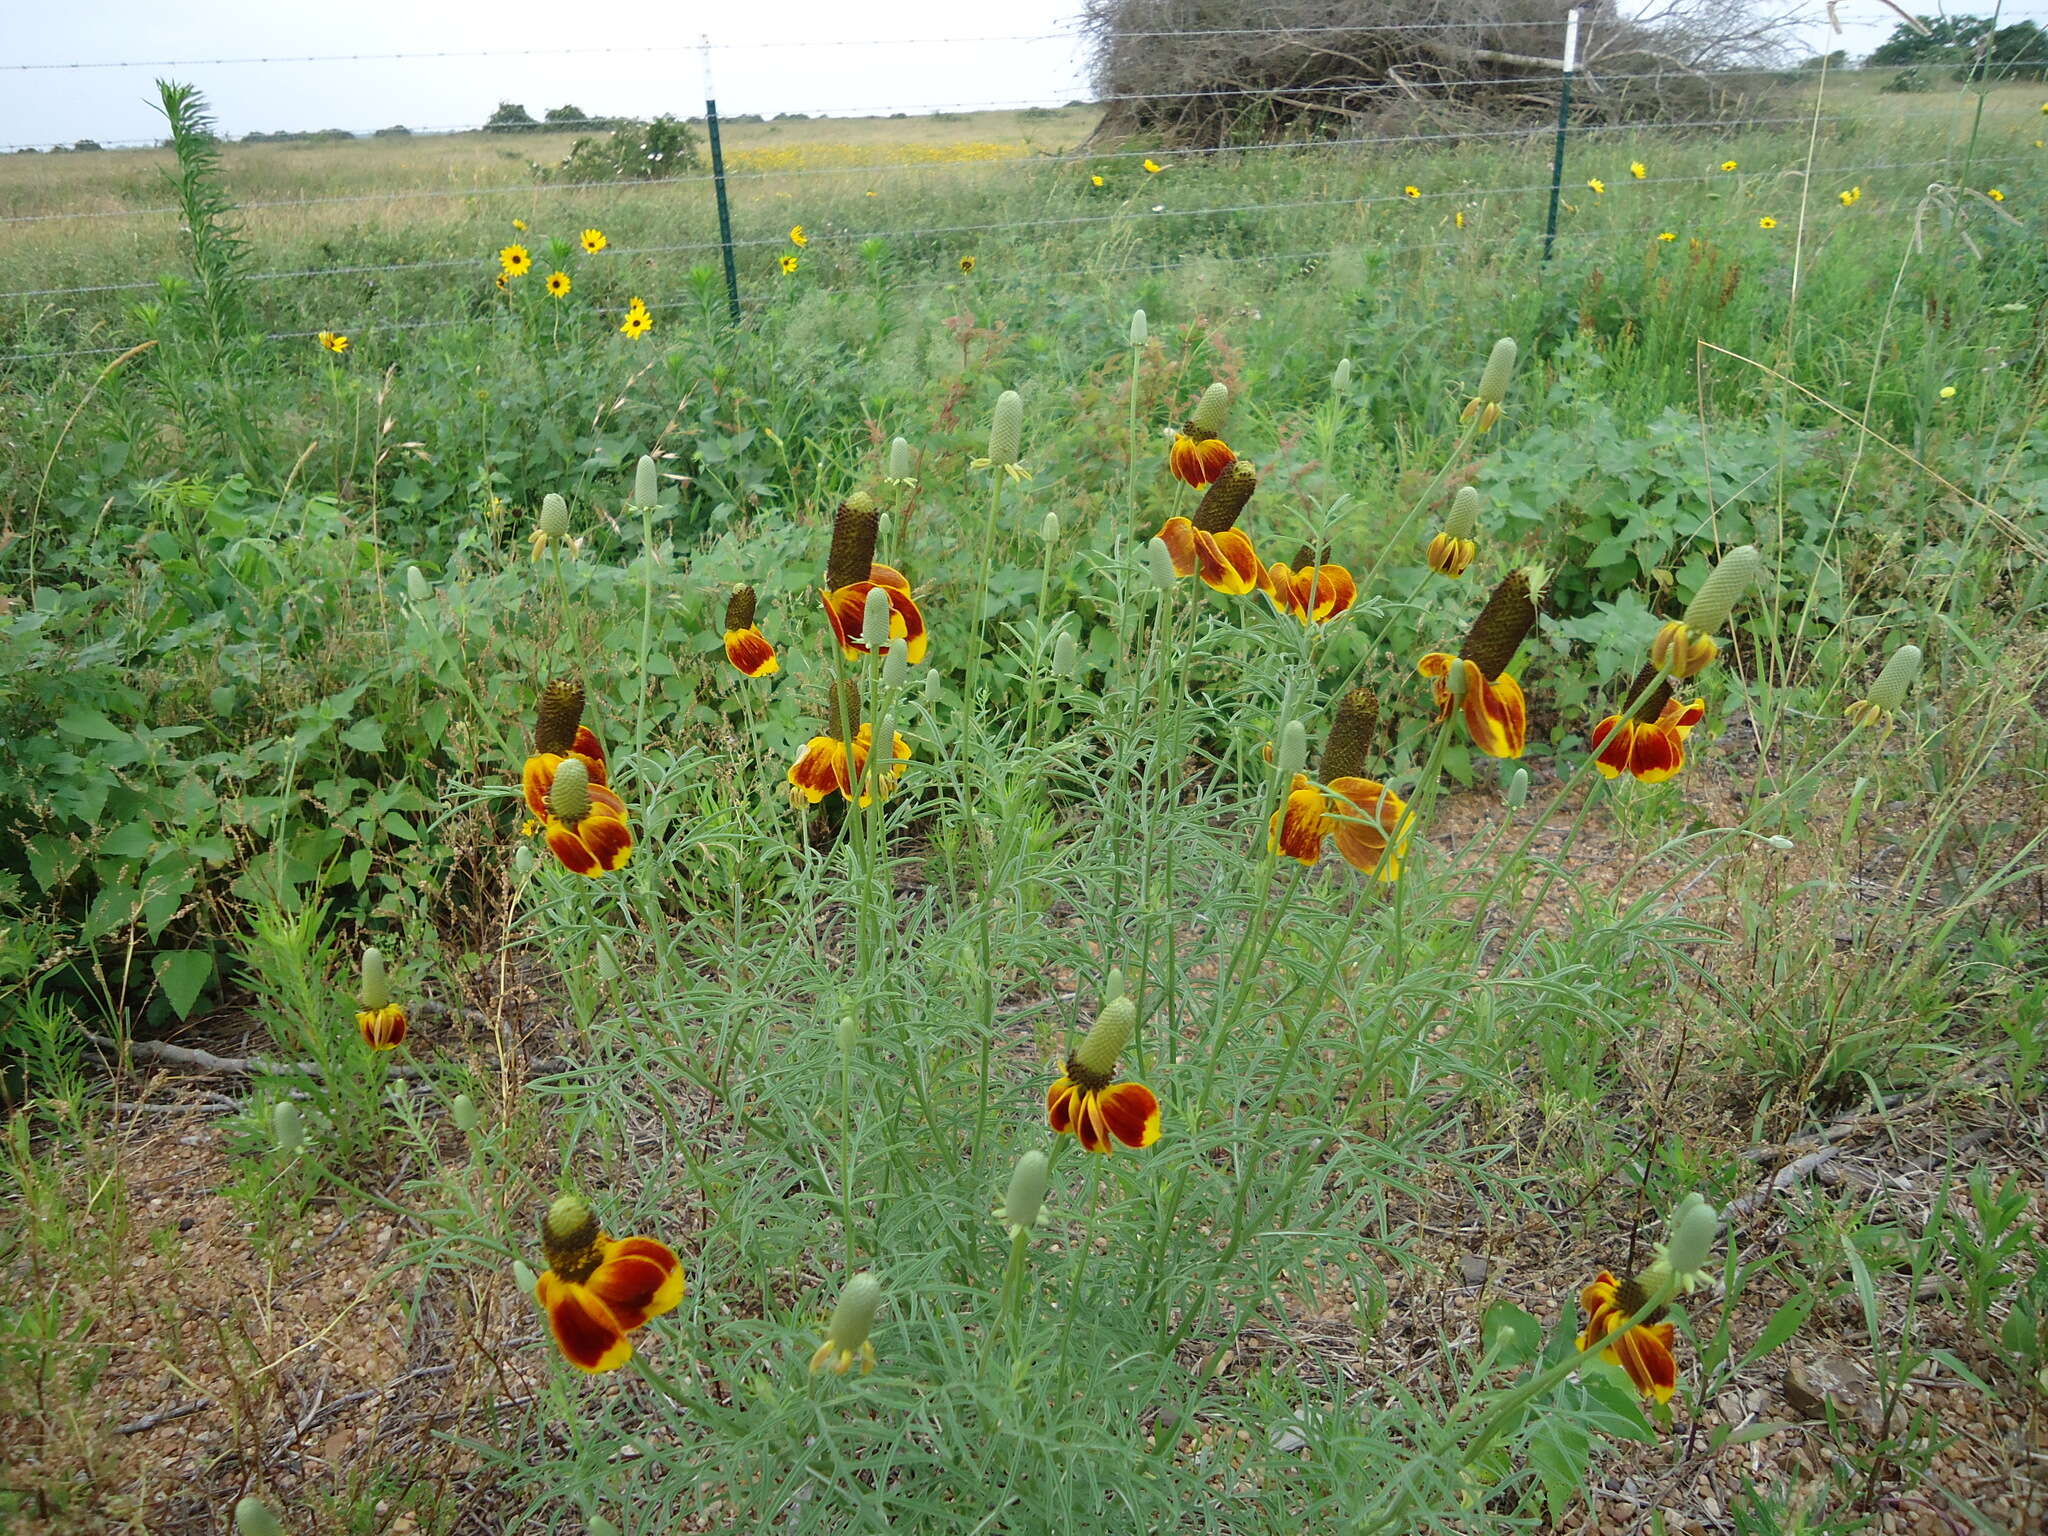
[
  {"x": 1063, "y": 655},
  {"x": 1113, "y": 985},
  {"x": 1139, "y": 329},
  {"x": 874, "y": 619},
  {"x": 463, "y": 1113},
  {"x": 1888, "y": 693},
  {"x": 884, "y": 526},
  {"x": 522, "y": 861},
  {"x": 1340, "y": 381},
  {"x": 1223, "y": 503},
  {"x": 523, "y": 1277},
  {"x": 854, "y": 530},
  {"x": 1500, "y": 368},
  {"x": 1518, "y": 789},
  {"x": 1293, "y": 753},
  {"x": 1209, "y": 413},
  {"x": 739, "y": 608},
  {"x": 1006, "y": 429},
  {"x": 1049, "y": 528},
  {"x": 1159, "y": 562},
  {"x": 899, "y": 459},
  {"x": 646, "y": 483},
  {"x": 560, "y": 712},
  {"x": 1114, "y": 1026},
  {"x": 1462, "y": 522},
  {"x": 1723, "y": 589},
  {"x": 375, "y": 991},
  {"x": 569, "y": 795},
  {"x": 554, "y": 517},
  {"x": 846, "y": 1337},
  {"x": 1025, "y": 1196},
  {"x": 933, "y": 684},
  {"x": 417, "y": 587},
  {"x": 1349, "y": 744},
  {"x": 896, "y": 665},
  {"x": 287, "y": 1126},
  {"x": 847, "y": 1034},
  {"x": 253, "y": 1518}
]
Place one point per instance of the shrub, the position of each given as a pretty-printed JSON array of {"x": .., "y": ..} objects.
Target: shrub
[
  {"x": 510, "y": 117},
  {"x": 632, "y": 152}
]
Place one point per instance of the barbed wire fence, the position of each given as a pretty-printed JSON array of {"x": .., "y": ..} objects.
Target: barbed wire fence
[{"x": 719, "y": 187}]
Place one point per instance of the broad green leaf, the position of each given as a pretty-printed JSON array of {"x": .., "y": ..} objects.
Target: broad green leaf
[
  {"x": 92, "y": 724},
  {"x": 366, "y": 735},
  {"x": 183, "y": 973}
]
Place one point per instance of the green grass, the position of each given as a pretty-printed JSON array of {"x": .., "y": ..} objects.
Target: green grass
[{"x": 271, "y": 670}]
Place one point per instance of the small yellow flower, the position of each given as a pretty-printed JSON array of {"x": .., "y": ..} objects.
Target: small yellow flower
[
  {"x": 1948, "y": 391},
  {"x": 1637, "y": 169},
  {"x": 1668, "y": 235},
  {"x": 1153, "y": 166},
  {"x": 2041, "y": 143},
  {"x": 638, "y": 324},
  {"x": 1850, "y": 198},
  {"x": 1767, "y": 222},
  {"x": 1458, "y": 218},
  {"x": 797, "y": 237},
  {"x": 558, "y": 285},
  {"x": 333, "y": 341},
  {"x": 1597, "y": 185},
  {"x": 594, "y": 241},
  {"x": 514, "y": 261},
  {"x": 504, "y": 282},
  {"x": 1727, "y": 165},
  {"x": 966, "y": 263},
  {"x": 520, "y": 225},
  {"x": 1995, "y": 195},
  {"x": 1411, "y": 191},
  {"x": 1098, "y": 181},
  {"x": 787, "y": 263}
]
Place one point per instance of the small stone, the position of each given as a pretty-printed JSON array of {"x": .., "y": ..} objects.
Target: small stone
[
  {"x": 1473, "y": 1268},
  {"x": 1828, "y": 1385}
]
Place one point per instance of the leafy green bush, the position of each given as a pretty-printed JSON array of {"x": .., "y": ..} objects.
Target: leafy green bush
[{"x": 634, "y": 151}]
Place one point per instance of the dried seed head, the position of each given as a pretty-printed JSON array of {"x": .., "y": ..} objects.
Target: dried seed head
[
  {"x": 899, "y": 459},
  {"x": 375, "y": 991},
  {"x": 646, "y": 483},
  {"x": 1006, "y": 430},
  {"x": 1503, "y": 624},
  {"x": 1114, "y": 1026},
  {"x": 1223, "y": 503},
  {"x": 1500, "y": 368},
  {"x": 1159, "y": 562},
  {"x": 846, "y": 1336},
  {"x": 560, "y": 712},
  {"x": 1293, "y": 753},
  {"x": 1209, "y": 412},
  {"x": 1888, "y": 693},
  {"x": 1025, "y": 1197},
  {"x": 739, "y": 608},
  {"x": 1462, "y": 522},
  {"x": 569, "y": 795},
  {"x": 854, "y": 530},
  {"x": 1723, "y": 589},
  {"x": 1349, "y": 745},
  {"x": 1139, "y": 329},
  {"x": 554, "y": 517}
]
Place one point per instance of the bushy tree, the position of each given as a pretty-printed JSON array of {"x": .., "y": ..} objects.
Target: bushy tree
[
  {"x": 510, "y": 117},
  {"x": 631, "y": 152}
]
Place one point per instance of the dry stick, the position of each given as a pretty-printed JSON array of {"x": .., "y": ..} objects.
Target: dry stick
[{"x": 150, "y": 1421}]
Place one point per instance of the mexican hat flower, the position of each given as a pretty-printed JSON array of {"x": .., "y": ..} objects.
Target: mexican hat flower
[
  {"x": 1644, "y": 1350},
  {"x": 596, "y": 1289},
  {"x": 1649, "y": 742},
  {"x": 745, "y": 646},
  {"x": 1369, "y": 821},
  {"x": 1086, "y": 1101},
  {"x": 1210, "y": 543},
  {"x": 851, "y": 573},
  {"x": 552, "y": 526},
  {"x": 846, "y": 1336},
  {"x": 1309, "y": 591},
  {"x": 1888, "y": 694},
  {"x": 838, "y": 760},
  {"x": 1496, "y": 714},
  {"x": 1005, "y": 438},
  {"x": 568, "y": 787},
  {"x": 1199, "y": 453},
  {"x": 1484, "y": 406},
  {"x": 381, "y": 1020},
  {"x": 1453, "y": 550}
]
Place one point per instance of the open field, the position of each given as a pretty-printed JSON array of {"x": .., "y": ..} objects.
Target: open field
[{"x": 1430, "y": 1054}]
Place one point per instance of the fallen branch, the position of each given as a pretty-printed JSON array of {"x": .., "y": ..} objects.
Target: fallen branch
[
  {"x": 163, "y": 1416},
  {"x": 1794, "y": 1172}
]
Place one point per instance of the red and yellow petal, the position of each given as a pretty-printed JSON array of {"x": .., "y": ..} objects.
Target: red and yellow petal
[
  {"x": 383, "y": 1028},
  {"x": 1496, "y": 714},
  {"x": 1059, "y": 1105},
  {"x": 639, "y": 1278},
  {"x": 1198, "y": 461},
  {"x": 821, "y": 768},
  {"x": 1226, "y": 562},
  {"x": 1370, "y": 826},
  {"x": 1296, "y": 829},
  {"x": 587, "y": 747},
  {"x": 1325, "y": 591},
  {"x": 1450, "y": 556},
  {"x": 536, "y": 779},
  {"x": 1648, "y": 1356},
  {"x": 1130, "y": 1113},
  {"x": 749, "y": 651},
  {"x": 1613, "y": 751},
  {"x": 1178, "y": 535},
  {"x": 1277, "y": 582},
  {"x": 585, "y": 1330},
  {"x": 846, "y": 610},
  {"x": 596, "y": 845}
]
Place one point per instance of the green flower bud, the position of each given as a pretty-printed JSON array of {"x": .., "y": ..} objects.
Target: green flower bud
[
  {"x": 1113, "y": 985},
  {"x": 1340, "y": 381},
  {"x": 417, "y": 587},
  {"x": 1293, "y": 753},
  {"x": 846, "y": 1338},
  {"x": 1159, "y": 561},
  {"x": 554, "y": 516},
  {"x": 1139, "y": 329},
  {"x": 1462, "y": 522},
  {"x": 597, "y": 1525},
  {"x": 1500, "y": 368},
  {"x": 1064, "y": 658},
  {"x": 253, "y": 1518},
  {"x": 896, "y": 665},
  {"x": 568, "y": 796},
  {"x": 1782, "y": 844},
  {"x": 522, "y": 861},
  {"x": 1517, "y": 792},
  {"x": 1006, "y": 430},
  {"x": 874, "y": 619},
  {"x": 899, "y": 459},
  {"x": 463, "y": 1113},
  {"x": 1693, "y": 1228},
  {"x": 646, "y": 486},
  {"x": 375, "y": 991},
  {"x": 847, "y": 1034},
  {"x": 286, "y": 1125},
  {"x": 524, "y": 1277},
  {"x": 1209, "y": 412},
  {"x": 1025, "y": 1197},
  {"x": 1113, "y": 1029},
  {"x": 884, "y": 526},
  {"x": 1049, "y": 528},
  {"x": 933, "y": 685},
  {"x": 1723, "y": 589},
  {"x": 1888, "y": 693}
]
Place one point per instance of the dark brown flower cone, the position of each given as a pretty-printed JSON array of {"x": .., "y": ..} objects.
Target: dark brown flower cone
[
  {"x": 739, "y": 608},
  {"x": 842, "y": 712},
  {"x": 1350, "y": 741},
  {"x": 1503, "y": 624},
  {"x": 1224, "y": 500},
  {"x": 853, "y": 541},
  {"x": 1310, "y": 556},
  {"x": 561, "y": 711},
  {"x": 1630, "y": 1296},
  {"x": 1655, "y": 699}
]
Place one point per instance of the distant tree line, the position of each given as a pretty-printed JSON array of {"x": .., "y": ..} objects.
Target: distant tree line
[{"x": 1970, "y": 47}]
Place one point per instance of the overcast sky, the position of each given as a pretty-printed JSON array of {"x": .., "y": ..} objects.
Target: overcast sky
[{"x": 655, "y": 69}]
